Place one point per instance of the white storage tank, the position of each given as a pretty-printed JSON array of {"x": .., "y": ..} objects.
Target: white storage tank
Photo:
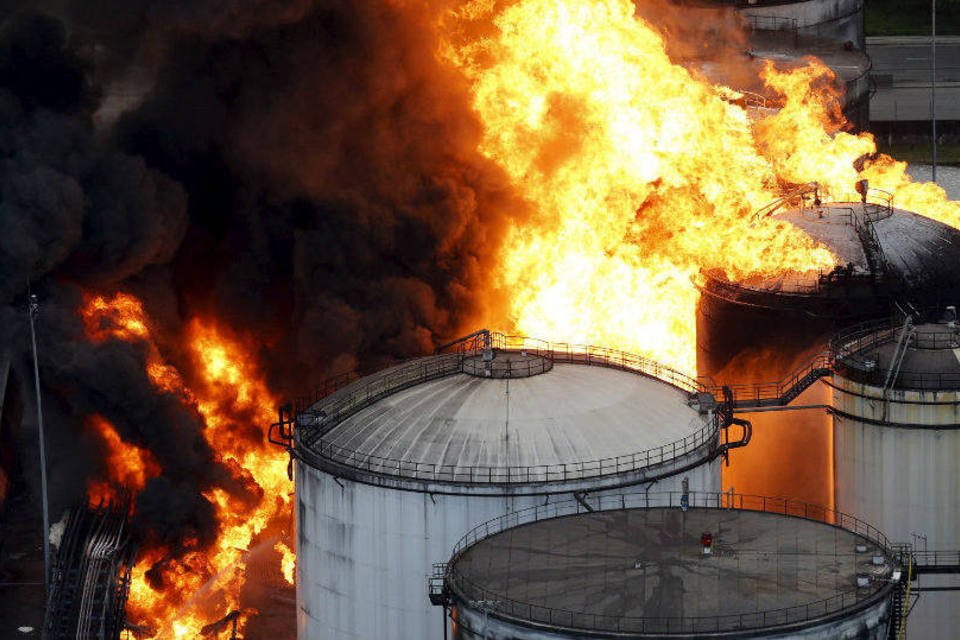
[
  {"x": 840, "y": 20},
  {"x": 643, "y": 566},
  {"x": 394, "y": 468},
  {"x": 896, "y": 406}
]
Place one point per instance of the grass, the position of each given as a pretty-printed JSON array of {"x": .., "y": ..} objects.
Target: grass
[
  {"x": 910, "y": 17},
  {"x": 947, "y": 154}
]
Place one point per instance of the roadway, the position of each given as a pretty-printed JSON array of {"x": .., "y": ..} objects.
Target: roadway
[{"x": 902, "y": 72}]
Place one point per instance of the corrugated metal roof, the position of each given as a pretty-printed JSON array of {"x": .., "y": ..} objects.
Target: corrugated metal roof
[{"x": 574, "y": 413}]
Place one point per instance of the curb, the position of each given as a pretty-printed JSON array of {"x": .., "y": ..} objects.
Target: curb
[{"x": 887, "y": 41}]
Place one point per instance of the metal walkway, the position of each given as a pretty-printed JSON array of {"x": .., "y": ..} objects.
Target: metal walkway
[
  {"x": 846, "y": 348},
  {"x": 931, "y": 562},
  {"x": 779, "y": 394}
]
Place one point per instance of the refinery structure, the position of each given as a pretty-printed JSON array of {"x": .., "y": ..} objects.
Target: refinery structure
[
  {"x": 789, "y": 472},
  {"x": 830, "y": 396}
]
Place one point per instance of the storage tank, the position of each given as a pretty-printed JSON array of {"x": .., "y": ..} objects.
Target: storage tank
[
  {"x": 644, "y": 566},
  {"x": 840, "y": 20},
  {"x": 392, "y": 469},
  {"x": 770, "y": 329},
  {"x": 850, "y": 65},
  {"x": 896, "y": 408},
  {"x": 776, "y": 35}
]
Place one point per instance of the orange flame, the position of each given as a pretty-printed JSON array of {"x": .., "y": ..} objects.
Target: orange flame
[
  {"x": 128, "y": 466},
  {"x": 642, "y": 173},
  {"x": 230, "y": 396},
  {"x": 289, "y": 561}
]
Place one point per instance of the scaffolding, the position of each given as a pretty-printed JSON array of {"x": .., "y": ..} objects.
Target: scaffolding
[{"x": 91, "y": 575}]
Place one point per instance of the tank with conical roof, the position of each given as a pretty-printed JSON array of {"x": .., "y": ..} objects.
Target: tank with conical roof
[
  {"x": 393, "y": 468},
  {"x": 896, "y": 408},
  {"x": 764, "y": 329}
]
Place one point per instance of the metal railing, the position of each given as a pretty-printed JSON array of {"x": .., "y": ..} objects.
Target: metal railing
[
  {"x": 878, "y": 204},
  {"x": 856, "y": 349},
  {"x": 938, "y": 561},
  {"x": 775, "y": 23},
  {"x": 469, "y": 590},
  {"x": 786, "y": 390},
  {"x": 344, "y": 399},
  {"x": 706, "y": 435}
]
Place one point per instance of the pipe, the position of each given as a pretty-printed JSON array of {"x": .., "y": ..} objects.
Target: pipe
[{"x": 784, "y": 408}]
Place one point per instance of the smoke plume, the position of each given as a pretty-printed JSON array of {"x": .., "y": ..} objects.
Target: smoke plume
[{"x": 305, "y": 172}]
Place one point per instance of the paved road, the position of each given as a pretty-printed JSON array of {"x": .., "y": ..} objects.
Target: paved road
[
  {"x": 902, "y": 70},
  {"x": 910, "y": 63}
]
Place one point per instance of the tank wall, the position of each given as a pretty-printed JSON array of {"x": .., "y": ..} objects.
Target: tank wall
[
  {"x": 870, "y": 624},
  {"x": 836, "y": 19},
  {"x": 791, "y": 453},
  {"x": 903, "y": 480},
  {"x": 364, "y": 552},
  {"x": 738, "y": 342}
]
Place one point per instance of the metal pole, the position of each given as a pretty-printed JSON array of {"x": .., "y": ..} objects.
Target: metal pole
[
  {"x": 445, "y": 622},
  {"x": 34, "y": 309},
  {"x": 933, "y": 83}
]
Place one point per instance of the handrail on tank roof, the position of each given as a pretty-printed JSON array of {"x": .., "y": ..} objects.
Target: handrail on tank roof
[
  {"x": 877, "y": 203},
  {"x": 855, "y": 347},
  {"x": 555, "y": 351},
  {"x": 348, "y": 394},
  {"x": 499, "y": 604}
]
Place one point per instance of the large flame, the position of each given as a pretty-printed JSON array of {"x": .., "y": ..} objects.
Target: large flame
[
  {"x": 229, "y": 394},
  {"x": 127, "y": 467},
  {"x": 642, "y": 172}
]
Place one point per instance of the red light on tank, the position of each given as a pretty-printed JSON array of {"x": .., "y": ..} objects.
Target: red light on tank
[{"x": 706, "y": 541}]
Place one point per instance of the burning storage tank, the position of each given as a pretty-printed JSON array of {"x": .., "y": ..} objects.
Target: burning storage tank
[
  {"x": 392, "y": 469},
  {"x": 670, "y": 565},
  {"x": 896, "y": 407},
  {"x": 850, "y": 65},
  {"x": 740, "y": 65},
  {"x": 772, "y": 328}
]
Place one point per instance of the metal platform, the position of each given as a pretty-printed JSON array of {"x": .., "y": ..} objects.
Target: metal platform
[{"x": 91, "y": 576}]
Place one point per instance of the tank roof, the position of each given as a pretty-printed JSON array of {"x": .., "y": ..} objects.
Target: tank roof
[
  {"x": 644, "y": 570},
  {"x": 848, "y": 63},
  {"x": 569, "y": 422},
  {"x": 881, "y": 254},
  {"x": 930, "y": 359}
]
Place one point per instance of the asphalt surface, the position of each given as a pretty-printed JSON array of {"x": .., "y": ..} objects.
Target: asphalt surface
[{"x": 902, "y": 72}]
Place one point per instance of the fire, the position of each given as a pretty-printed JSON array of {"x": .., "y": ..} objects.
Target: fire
[
  {"x": 227, "y": 390},
  {"x": 642, "y": 172},
  {"x": 289, "y": 561},
  {"x": 127, "y": 466}
]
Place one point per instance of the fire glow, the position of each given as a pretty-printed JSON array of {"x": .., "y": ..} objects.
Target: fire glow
[
  {"x": 234, "y": 403},
  {"x": 643, "y": 173}
]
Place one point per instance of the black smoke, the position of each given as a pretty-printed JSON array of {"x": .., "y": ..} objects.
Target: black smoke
[
  {"x": 337, "y": 204},
  {"x": 306, "y": 172}
]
